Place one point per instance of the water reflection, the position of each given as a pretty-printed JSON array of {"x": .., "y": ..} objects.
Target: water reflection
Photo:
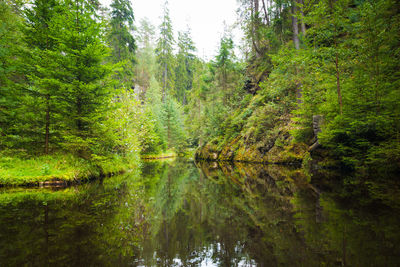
[{"x": 179, "y": 214}]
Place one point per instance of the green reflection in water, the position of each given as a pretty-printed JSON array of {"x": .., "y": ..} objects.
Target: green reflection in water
[{"x": 174, "y": 213}]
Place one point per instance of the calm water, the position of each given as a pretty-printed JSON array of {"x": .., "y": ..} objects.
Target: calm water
[{"x": 177, "y": 214}]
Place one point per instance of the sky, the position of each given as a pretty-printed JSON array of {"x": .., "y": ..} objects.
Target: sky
[{"x": 205, "y": 17}]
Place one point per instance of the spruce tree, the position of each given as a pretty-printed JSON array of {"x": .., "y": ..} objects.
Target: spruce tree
[
  {"x": 85, "y": 92},
  {"x": 40, "y": 38},
  {"x": 184, "y": 66},
  {"x": 146, "y": 66},
  {"x": 174, "y": 124},
  {"x": 164, "y": 52},
  {"x": 121, "y": 40},
  {"x": 11, "y": 76}
]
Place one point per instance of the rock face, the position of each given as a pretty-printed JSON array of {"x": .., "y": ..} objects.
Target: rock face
[
  {"x": 317, "y": 123},
  {"x": 276, "y": 148}
]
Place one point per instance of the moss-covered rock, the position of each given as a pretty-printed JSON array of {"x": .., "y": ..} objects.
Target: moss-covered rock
[{"x": 276, "y": 147}]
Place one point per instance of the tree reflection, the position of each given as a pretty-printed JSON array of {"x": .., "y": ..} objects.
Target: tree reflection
[{"x": 179, "y": 214}]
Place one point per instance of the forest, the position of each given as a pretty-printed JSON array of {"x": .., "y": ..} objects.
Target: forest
[{"x": 87, "y": 90}]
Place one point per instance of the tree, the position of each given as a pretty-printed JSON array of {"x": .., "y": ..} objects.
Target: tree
[
  {"x": 85, "y": 92},
  {"x": 164, "y": 52},
  {"x": 11, "y": 74},
  {"x": 40, "y": 38},
  {"x": 121, "y": 39},
  {"x": 295, "y": 25},
  {"x": 146, "y": 66},
  {"x": 154, "y": 102},
  {"x": 184, "y": 66},
  {"x": 174, "y": 124},
  {"x": 225, "y": 67}
]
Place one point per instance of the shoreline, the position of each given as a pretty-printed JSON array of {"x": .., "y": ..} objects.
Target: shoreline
[
  {"x": 59, "y": 170},
  {"x": 64, "y": 170}
]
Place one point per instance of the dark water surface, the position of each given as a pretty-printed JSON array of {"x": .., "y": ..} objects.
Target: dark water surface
[{"x": 177, "y": 214}]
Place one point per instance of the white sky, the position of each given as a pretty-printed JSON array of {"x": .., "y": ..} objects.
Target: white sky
[{"x": 205, "y": 18}]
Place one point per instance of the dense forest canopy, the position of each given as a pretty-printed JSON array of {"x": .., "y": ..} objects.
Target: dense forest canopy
[{"x": 82, "y": 79}]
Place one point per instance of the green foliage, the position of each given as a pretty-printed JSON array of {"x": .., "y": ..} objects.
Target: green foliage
[
  {"x": 69, "y": 83},
  {"x": 216, "y": 93},
  {"x": 184, "y": 66},
  {"x": 366, "y": 48},
  {"x": 146, "y": 66},
  {"x": 122, "y": 43},
  {"x": 155, "y": 106},
  {"x": 68, "y": 99},
  {"x": 174, "y": 124},
  {"x": 164, "y": 53},
  {"x": 345, "y": 69},
  {"x": 11, "y": 71}
]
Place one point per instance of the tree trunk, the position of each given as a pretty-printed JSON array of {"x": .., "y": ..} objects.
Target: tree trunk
[
  {"x": 255, "y": 27},
  {"x": 296, "y": 43},
  {"x": 265, "y": 12},
  {"x": 165, "y": 73},
  {"x": 46, "y": 143},
  {"x": 295, "y": 25},
  {"x": 256, "y": 9}
]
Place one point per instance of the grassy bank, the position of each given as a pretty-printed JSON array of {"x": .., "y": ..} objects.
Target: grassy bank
[{"x": 16, "y": 171}]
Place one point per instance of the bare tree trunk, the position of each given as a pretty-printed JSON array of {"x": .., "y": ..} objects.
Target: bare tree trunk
[
  {"x": 295, "y": 25},
  {"x": 296, "y": 42},
  {"x": 255, "y": 26},
  {"x": 256, "y": 10},
  {"x": 265, "y": 12}
]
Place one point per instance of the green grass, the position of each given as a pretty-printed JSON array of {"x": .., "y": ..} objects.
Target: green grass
[{"x": 16, "y": 171}]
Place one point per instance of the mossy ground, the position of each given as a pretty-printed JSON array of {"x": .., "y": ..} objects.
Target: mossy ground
[{"x": 16, "y": 171}]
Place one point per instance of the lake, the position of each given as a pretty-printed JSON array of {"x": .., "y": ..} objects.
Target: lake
[{"x": 178, "y": 213}]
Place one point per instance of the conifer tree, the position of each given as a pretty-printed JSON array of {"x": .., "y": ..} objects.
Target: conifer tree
[
  {"x": 11, "y": 75},
  {"x": 85, "y": 92},
  {"x": 164, "y": 52},
  {"x": 184, "y": 66},
  {"x": 40, "y": 38},
  {"x": 146, "y": 66},
  {"x": 174, "y": 124},
  {"x": 154, "y": 102},
  {"x": 122, "y": 42}
]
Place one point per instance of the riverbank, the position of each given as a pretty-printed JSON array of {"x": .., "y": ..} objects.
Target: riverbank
[
  {"x": 162, "y": 155},
  {"x": 274, "y": 145},
  {"x": 59, "y": 169}
]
